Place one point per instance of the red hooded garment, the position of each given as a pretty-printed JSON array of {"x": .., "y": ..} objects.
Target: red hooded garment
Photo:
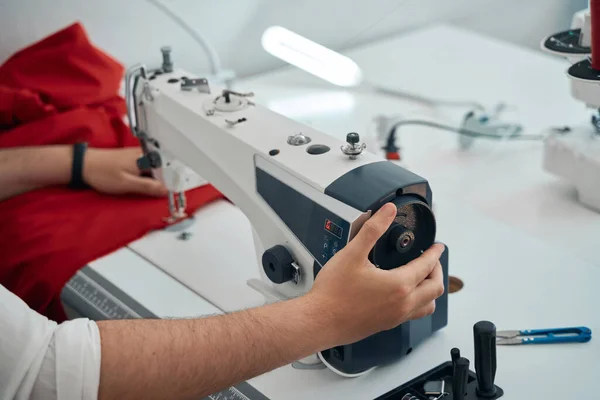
[{"x": 63, "y": 90}]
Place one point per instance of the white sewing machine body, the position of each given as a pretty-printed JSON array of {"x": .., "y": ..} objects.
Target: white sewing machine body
[
  {"x": 574, "y": 154},
  {"x": 305, "y": 193}
]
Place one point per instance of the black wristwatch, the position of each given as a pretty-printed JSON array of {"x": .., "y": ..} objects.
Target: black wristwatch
[{"x": 77, "y": 181}]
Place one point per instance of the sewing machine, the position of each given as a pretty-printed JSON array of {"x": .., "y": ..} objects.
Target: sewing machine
[
  {"x": 305, "y": 193},
  {"x": 573, "y": 153},
  {"x": 200, "y": 266}
]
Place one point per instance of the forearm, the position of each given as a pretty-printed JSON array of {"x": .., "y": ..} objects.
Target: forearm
[
  {"x": 197, "y": 357},
  {"x": 27, "y": 168}
]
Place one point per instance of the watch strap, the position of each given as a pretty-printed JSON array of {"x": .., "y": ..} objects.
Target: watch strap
[{"x": 77, "y": 181}]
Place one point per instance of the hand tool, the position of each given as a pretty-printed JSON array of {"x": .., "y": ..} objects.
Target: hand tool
[
  {"x": 580, "y": 334},
  {"x": 484, "y": 335}
]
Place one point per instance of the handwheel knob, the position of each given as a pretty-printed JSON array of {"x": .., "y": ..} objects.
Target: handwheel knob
[{"x": 278, "y": 264}]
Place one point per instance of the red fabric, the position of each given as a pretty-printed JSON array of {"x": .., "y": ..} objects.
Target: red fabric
[
  {"x": 59, "y": 91},
  {"x": 595, "y": 20}
]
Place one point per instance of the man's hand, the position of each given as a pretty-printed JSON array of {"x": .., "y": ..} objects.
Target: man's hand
[
  {"x": 360, "y": 299},
  {"x": 115, "y": 171},
  {"x": 190, "y": 359},
  {"x": 112, "y": 171}
]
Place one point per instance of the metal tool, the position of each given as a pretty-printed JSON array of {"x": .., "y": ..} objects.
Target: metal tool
[{"x": 580, "y": 334}]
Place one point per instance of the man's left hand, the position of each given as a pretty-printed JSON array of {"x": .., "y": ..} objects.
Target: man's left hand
[{"x": 115, "y": 171}]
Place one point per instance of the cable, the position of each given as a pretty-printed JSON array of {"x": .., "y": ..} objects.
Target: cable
[
  {"x": 213, "y": 57},
  {"x": 340, "y": 373},
  {"x": 463, "y": 131},
  {"x": 428, "y": 100},
  {"x": 392, "y": 150}
]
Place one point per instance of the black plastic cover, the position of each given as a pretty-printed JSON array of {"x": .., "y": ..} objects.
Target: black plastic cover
[{"x": 370, "y": 186}]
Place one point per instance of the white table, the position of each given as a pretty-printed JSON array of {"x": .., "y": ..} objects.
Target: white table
[
  {"x": 529, "y": 286},
  {"x": 503, "y": 180},
  {"x": 493, "y": 194}
]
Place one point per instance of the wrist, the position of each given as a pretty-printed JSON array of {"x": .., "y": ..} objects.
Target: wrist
[
  {"x": 321, "y": 320},
  {"x": 52, "y": 165},
  {"x": 77, "y": 180},
  {"x": 87, "y": 168}
]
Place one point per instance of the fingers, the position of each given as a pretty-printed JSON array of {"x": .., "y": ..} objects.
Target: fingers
[
  {"x": 145, "y": 186},
  {"x": 431, "y": 288},
  {"x": 372, "y": 230},
  {"x": 131, "y": 156},
  {"x": 417, "y": 270},
  {"x": 424, "y": 311}
]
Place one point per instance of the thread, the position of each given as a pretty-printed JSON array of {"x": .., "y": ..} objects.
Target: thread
[{"x": 595, "y": 20}]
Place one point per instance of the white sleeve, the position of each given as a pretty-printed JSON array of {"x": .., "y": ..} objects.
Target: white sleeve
[{"x": 40, "y": 359}]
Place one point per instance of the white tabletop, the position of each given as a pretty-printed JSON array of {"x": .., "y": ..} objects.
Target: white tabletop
[
  {"x": 503, "y": 180},
  {"x": 523, "y": 287},
  {"x": 525, "y": 284},
  {"x": 522, "y": 245}
]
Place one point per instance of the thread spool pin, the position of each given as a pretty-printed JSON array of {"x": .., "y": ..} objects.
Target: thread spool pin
[{"x": 167, "y": 63}]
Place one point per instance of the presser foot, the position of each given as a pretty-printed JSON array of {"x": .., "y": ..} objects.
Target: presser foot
[
  {"x": 177, "y": 205},
  {"x": 175, "y": 218}
]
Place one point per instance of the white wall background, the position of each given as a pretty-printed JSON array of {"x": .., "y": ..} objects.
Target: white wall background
[{"x": 132, "y": 30}]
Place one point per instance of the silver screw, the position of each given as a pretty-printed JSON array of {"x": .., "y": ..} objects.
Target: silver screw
[{"x": 184, "y": 236}]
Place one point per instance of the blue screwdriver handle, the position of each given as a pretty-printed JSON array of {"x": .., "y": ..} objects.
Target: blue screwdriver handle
[{"x": 582, "y": 330}]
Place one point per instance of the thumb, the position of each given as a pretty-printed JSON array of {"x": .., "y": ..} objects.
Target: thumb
[
  {"x": 418, "y": 269},
  {"x": 372, "y": 230},
  {"x": 146, "y": 186}
]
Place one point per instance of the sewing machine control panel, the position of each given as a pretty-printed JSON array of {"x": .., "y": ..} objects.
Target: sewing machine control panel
[
  {"x": 332, "y": 240},
  {"x": 322, "y": 232},
  {"x": 326, "y": 235}
]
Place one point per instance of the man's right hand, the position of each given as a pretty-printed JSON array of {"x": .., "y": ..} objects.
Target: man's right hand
[
  {"x": 192, "y": 358},
  {"x": 359, "y": 299}
]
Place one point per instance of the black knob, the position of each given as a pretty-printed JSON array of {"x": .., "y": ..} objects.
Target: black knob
[
  {"x": 460, "y": 379},
  {"x": 484, "y": 334},
  {"x": 151, "y": 160},
  {"x": 352, "y": 138},
  {"x": 454, "y": 355},
  {"x": 277, "y": 263}
]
